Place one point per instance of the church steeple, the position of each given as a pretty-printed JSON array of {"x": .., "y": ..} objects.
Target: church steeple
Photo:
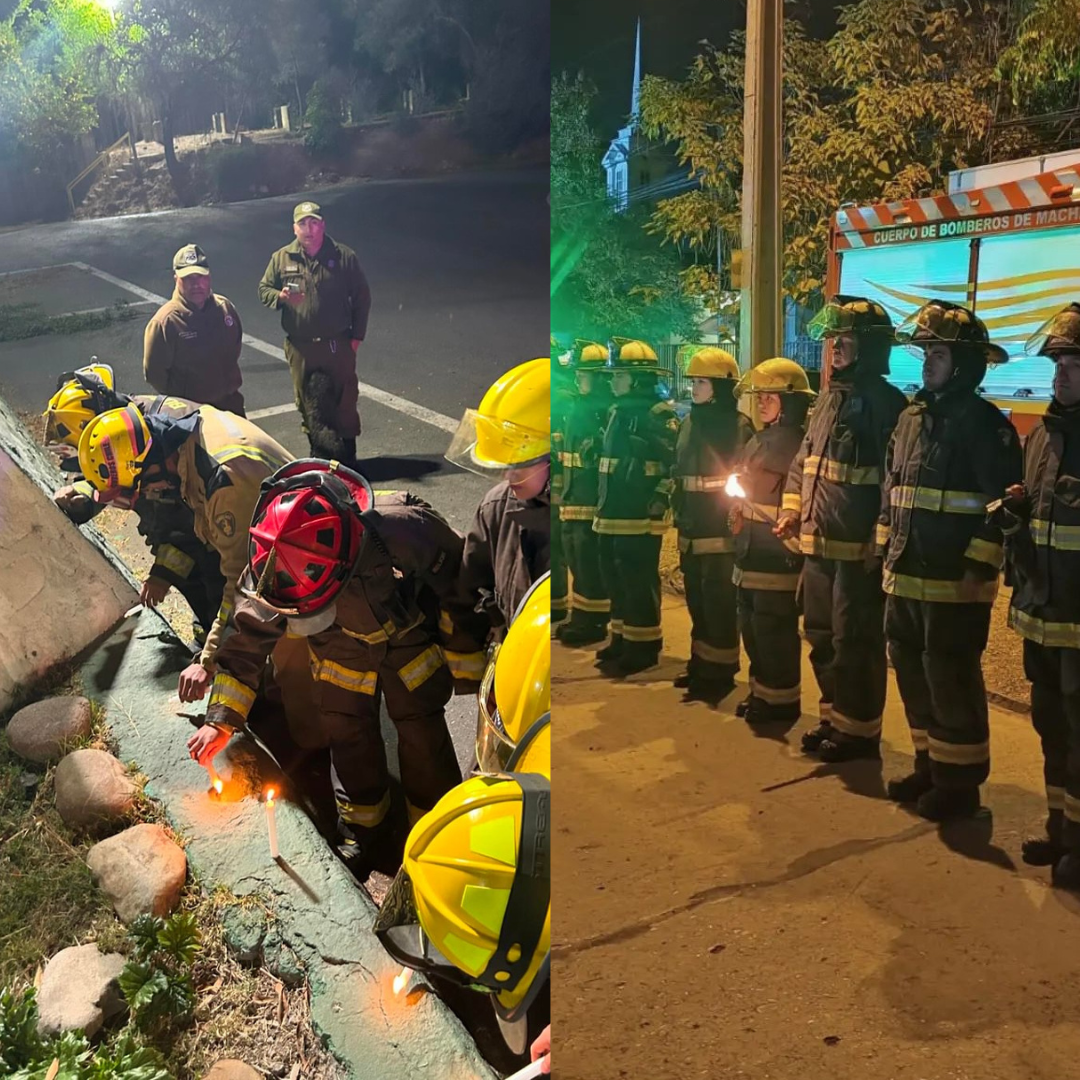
[{"x": 635, "y": 97}]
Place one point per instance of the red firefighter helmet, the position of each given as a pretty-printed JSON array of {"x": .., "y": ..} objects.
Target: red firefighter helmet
[{"x": 306, "y": 535}]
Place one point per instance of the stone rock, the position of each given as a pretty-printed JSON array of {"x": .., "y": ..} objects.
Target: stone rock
[
  {"x": 280, "y": 960},
  {"x": 93, "y": 790},
  {"x": 79, "y": 991},
  {"x": 244, "y": 929},
  {"x": 38, "y": 732},
  {"x": 231, "y": 1069},
  {"x": 140, "y": 870}
]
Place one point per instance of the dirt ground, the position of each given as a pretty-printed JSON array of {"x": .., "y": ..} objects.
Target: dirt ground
[{"x": 728, "y": 908}]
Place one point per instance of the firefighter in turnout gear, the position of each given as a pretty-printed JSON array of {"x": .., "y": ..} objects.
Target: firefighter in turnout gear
[
  {"x": 767, "y": 567},
  {"x": 579, "y": 459},
  {"x": 952, "y": 453},
  {"x": 632, "y": 507},
  {"x": 167, "y": 525},
  {"x": 373, "y": 583},
  {"x": 562, "y": 399},
  {"x": 706, "y": 453},
  {"x": 1041, "y": 521},
  {"x": 508, "y": 545},
  {"x": 831, "y": 504},
  {"x": 218, "y": 459}
]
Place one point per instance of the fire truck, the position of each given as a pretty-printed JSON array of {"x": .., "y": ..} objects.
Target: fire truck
[{"x": 1004, "y": 241}]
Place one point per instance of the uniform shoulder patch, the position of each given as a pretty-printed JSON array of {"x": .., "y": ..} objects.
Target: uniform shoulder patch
[{"x": 226, "y": 524}]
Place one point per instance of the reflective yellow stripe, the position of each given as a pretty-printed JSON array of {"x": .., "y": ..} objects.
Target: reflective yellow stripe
[
  {"x": 173, "y": 559},
  {"x": 792, "y": 501},
  {"x": 940, "y": 592},
  {"x": 881, "y": 535},
  {"x": 628, "y": 526},
  {"x": 446, "y": 622},
  {"x": 788, "y": 696},
  {"x": 920, "y": 739},
  {"x": 655, "y": 468},
  {"x": 570, "y": 461},
  {"x": 584, "y": 603},
  {"x": 465, "y": 665},
  {"x": 375, "y": 638},
  {"x": 658, "y": 528},
  {"x": 1055, "y": 635},
  {"x": 359, "y": 682},
  {"x": 616, "y": 626},
  {"x": 559, "y": 603},
  {"x": 419, "y": 670},
  {"x": 950, "y": 502},
  {"x": 958, "y": 753},
  {"x": 844, "y": 550},
  {"x": 755, "y": 579},
  {"x": 707, "y": 545},
  {"x": 838, "y": 473},
  {"x": 229, "y": 453},
  {"x": 1072, "y": 807},
  {"x": 608, "y": 464},
  {"x": 847, "y": 725},
  {"x": 1055, "y": 798},
  {"x": 713, "y": 654},
  {"x": 84, "y": 487},
  {"x": 576, "y": 513},
  {"x": 642, "y": 633},
  {"x": 985, "y": 551},
  {"x": 1051, "y": 534},
  {"x": 231, "y": 693},
  {"x": 366, "y": 816},
  {"x": 702, "y": 483}
]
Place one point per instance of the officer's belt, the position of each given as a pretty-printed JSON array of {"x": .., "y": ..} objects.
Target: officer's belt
[{"x": 316, "y": 340}]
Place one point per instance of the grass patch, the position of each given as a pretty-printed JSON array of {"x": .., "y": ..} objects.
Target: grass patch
[{"x": 21, "y": 321}]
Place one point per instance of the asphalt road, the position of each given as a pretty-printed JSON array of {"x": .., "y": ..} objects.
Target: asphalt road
[{"x": 458, "y": 269}]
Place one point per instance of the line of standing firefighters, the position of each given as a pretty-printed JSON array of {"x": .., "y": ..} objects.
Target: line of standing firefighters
[{"x": 885, "y": 523}]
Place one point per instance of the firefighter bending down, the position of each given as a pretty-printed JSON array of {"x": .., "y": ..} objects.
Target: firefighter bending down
[
  {"x": 953, "y": 452},
  {"x": 766, "y": 567}
]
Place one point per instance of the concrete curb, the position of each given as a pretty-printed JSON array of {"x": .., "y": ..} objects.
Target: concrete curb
[{"x": 323, "y": 917}]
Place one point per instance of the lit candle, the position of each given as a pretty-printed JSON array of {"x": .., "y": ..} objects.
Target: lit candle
[
  {"x": 271, "y": 822},
  {"x": 401, "y": 980},
  {"x": 733, "y": 488},
  {"x": 216, "y": 786},
  {"x": 529, "y": 1072}
]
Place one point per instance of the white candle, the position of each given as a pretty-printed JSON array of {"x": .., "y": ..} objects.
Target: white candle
[
  {"x": 401, "y": 980},
  {"x": 529, "y": 1072},
  {"x": 271, "y": 823}
]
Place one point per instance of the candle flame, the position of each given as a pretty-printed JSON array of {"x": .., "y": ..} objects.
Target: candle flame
[
  {"x": 734, "y": 488},
  {"x": 218, "y": 786},
  {"x": 269, "y": 795},
  {"x": 401, "y": 980}
]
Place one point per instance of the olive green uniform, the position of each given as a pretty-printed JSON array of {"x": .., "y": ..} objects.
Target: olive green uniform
[
  {"x": 194, "y": 353},
  {"x": 319, "y": 332}
]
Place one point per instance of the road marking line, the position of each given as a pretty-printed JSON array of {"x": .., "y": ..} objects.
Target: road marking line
[
  {"x": 274, "y": 410},
  {"x": 383, "y": 397},
  {"x": 99, "y": 310},
  {"x": 36, "y": 269}
]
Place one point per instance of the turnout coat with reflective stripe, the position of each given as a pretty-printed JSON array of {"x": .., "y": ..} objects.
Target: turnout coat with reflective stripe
[
  {"x": 635, "y": 468},
  {"x": 405, "y": 606},
  {"x": 949, "y": 457},
  {"x": 1044, "y": 554},
  {"x": 579, "y": 459},
  {"x": 222, "y": 464},
  {"x": 762, "y": 560},
  {"x": 835, "y": 480}
]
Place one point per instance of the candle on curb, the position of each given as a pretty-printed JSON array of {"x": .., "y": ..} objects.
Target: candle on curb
[
  {"x": 401, "y": 980},
  {"x": 529, "y": 1072},
  {"x": 216, "y": 785},
  {"x": 271, "y": 822}
]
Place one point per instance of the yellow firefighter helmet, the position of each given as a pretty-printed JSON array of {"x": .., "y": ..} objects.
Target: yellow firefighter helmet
[
  {"x": 80, "y": 396},
  {"x": 712, "y": 362},
  {"x": 113, "y": 449},
  {"x": 1060, "y": 333},
  {"x": 512, "y": 426},
  {"x": 776, "y": 376}
]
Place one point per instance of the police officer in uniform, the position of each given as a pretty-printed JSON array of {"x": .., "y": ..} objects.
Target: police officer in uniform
[
  {"x": 633, "y": 506},
  {"x": 1041, "y": 521},
  {"x": 831, "y": 504},
  {"x": 324, "y": 300},
  {"x": 952, "y": 453},
  {"x": 191, "y": 347}
]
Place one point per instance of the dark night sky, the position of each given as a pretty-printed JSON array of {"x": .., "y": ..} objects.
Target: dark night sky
[{"x": 597, "y": 36}]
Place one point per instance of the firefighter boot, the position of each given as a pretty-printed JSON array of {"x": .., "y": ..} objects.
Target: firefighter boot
[
  {"x": 632, "y": 663},
  {"x": 681, "y": 682},
  {"x": 577, "y": 637},
  {"x": 948, "y": 804},
  {"x": 1049, "y": 849},
  {"x": 839, "y": 747},
  {"x": 812, "y": 739},
  {"x": 910, "y": 788},
  {"x": 1066, "y": 872},
  {"x": 744, "y": 706},
  {"x": 761, "y": 712},
  {"x": 711, "y": 691},
  {"x": 365, "y": 849}
]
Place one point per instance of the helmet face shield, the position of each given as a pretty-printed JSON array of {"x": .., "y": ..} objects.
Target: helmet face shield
[
  {"x": 850, "y": 315},
  {"x": 493, "y": 745},
  {"x": 1060, "y": 333},
  {"x": 940, "y": 322},
  {"x": 831, "y": 320},
  {"x": 490, "y": 447}
]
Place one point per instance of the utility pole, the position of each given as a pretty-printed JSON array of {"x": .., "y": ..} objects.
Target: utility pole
[{"x": 760, "y": 323}]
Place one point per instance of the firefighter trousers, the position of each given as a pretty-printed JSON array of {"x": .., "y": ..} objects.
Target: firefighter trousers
[
  {"x": 335, "y": 357},
  {"x": 590, "y": 607},
  {"x": 936, "y": 650},
  {"x": 560, "y": 599},
  {"x": 712, "y": 599},
  {"x": 844, "y": 621},
  {"x": 630, "y": 566},
  {"x": 1055, "y": 713},
  {"x": 351, "y": 720},
  {"x": 203, "y": 586},
  {"x": 769, "y": 620}
]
